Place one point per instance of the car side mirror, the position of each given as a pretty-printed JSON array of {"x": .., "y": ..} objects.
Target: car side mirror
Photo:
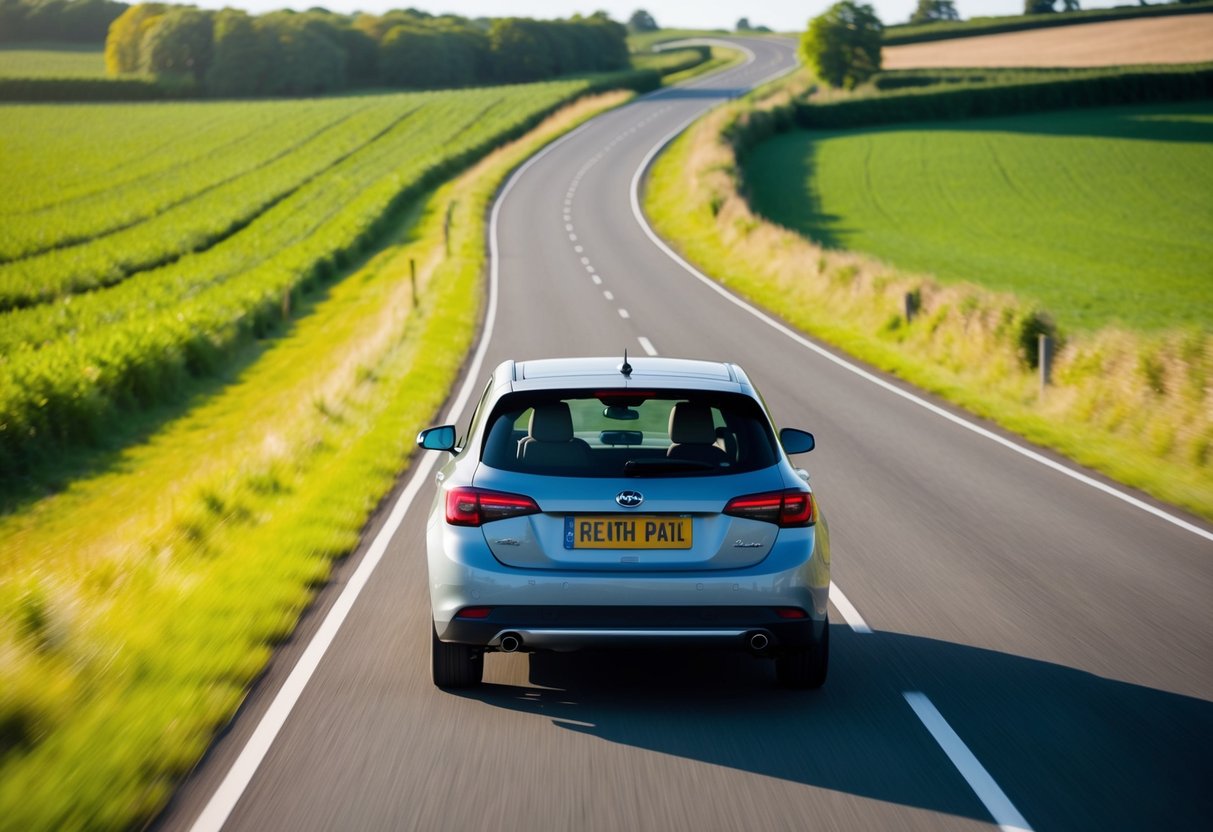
[
  {"x": 796, "y": 441},
  {"x": 437, "y": 439}
]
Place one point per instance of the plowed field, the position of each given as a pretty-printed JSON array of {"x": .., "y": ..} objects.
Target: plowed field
[{"x": 1167, "y": 40}]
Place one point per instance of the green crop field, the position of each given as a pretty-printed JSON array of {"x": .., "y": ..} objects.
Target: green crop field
[
  {"x": 1103, "y": 216},
  {"x": 142, "y": 243},
  {"x": 52, "y": 61}
]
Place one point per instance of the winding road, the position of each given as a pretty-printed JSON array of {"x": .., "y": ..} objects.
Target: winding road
[{"x": 1017, "y": 642}]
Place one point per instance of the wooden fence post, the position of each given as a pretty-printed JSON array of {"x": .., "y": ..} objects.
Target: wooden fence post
[
  {"x": 413, "y": 278},
  {"x": 1044, "y": 357}
]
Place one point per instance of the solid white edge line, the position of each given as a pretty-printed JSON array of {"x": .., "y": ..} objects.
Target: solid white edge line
[
  {"x": 864, "y": 374},
  {"x": 229, "y": 792},
  {"x": 992, "y": 797},
  {"x": 646, "y": 345},
  {"x": 849, "y": 613}
]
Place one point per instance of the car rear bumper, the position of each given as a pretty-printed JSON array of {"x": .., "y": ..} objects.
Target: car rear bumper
[{"x": 571, "y": 628}]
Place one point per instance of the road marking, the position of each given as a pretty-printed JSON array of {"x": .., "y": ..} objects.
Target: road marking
[
  {"x": 647, "y": 345},
  {"x": 585, "y": 261},
  {"x": 849, "y": 613},
  {"x": 229, "y": 792},
  {"x": 992, "y": 797},
  {"x": 623, "y": 313},
  {"x": 578, "y": 249},
  {"x": 608, "y": 295},
  {"x": 864, "y": 374},
  {"x": 597, "y": 280}
]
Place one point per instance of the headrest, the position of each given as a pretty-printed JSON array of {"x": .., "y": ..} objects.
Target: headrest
[
  {"x": 551, "y": 423},
  {"x": 691, "y": 424}
]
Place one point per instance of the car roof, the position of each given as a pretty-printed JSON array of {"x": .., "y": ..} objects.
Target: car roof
[{"x": 646, "y": 371}]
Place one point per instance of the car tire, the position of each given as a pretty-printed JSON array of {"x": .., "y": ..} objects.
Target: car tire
[
  {"x": 455, "y": 665},
  {"x": 805, "y": 668}
]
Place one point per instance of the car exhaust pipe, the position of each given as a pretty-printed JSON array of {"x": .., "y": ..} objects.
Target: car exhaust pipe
[
  {"x": 510, "y": 642},
  {"x": 759, "y": 642}
]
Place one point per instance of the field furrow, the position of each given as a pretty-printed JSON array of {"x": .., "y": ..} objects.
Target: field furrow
[
  {"x": 190, "y": 226},
  {"x": 120, "y": 206}
]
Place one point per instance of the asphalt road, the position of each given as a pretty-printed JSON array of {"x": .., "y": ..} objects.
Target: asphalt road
[{"x": 1037, "y": 651}]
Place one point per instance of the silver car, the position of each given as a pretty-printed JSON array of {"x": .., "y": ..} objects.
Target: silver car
[{"x": 590, "y": 503}]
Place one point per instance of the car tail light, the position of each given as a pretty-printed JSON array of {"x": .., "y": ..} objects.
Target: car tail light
[
  {"x": 468, "y": 506},
  {"x": 787, "y": 509},
  {"x": 474, "y": 612},
  {"x": 791, "y": 612}
]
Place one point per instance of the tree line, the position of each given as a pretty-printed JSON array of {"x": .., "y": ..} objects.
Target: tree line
[
  {"x": 233, "y": 53},
  {"x": 82, "y": 21}
]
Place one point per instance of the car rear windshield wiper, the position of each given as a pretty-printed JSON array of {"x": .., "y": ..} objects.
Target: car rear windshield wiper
[{"x": 660, "y": 467}]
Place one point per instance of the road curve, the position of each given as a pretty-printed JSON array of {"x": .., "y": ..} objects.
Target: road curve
[{"x": 1010, "y": 645}]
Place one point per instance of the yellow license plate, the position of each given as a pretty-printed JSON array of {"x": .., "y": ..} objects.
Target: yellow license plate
[{"x": 630, "y": 532}]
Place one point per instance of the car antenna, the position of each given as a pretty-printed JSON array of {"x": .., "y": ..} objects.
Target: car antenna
[{"x": 625, "y": 367}]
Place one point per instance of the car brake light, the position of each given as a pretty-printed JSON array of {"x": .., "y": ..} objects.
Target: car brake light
[
  {"x": 467, "y": 506},
  {"x": 787, "y": 509}
]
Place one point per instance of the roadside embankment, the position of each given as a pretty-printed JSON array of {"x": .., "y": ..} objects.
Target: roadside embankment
[{"x": 1137, "y": 407}]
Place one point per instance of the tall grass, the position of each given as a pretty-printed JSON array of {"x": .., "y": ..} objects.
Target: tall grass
[
  {"x": 138, "y": 606},
  {"x": 1138, "y": 407}
]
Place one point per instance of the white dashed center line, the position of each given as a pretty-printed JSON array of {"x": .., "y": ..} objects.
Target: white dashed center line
[
  {"x": 992, "y": 797},
  {"x": 623, "y": 313},
  {"x": 647, "y": 345},
  {"x": 849, "y": 613}
]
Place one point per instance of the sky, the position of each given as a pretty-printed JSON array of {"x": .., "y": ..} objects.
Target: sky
[{"x": 781, "y": 15}]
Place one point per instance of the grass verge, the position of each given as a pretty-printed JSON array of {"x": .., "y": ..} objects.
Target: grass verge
[
  {"x": 1133, "y": 406},
  {"x": 126, "y": 643}
]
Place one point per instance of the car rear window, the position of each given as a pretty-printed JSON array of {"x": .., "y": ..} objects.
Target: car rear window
[{"x": 628, "y": 433}]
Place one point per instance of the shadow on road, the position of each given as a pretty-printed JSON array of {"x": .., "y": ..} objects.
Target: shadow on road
[{"x": 1072, "y": 750}]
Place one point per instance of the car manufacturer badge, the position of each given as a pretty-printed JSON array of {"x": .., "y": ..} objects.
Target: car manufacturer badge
[{"x": 629, "y": 499}]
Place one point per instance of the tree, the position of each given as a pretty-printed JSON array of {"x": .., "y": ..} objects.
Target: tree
[
  {"x": 415, "y": 57},
  {"x": 178, "y": 44},
  {"x": 743, "y": 24},
  {"x": 843, "y": 45},
  {"x": 122, "y": 44},
  {"x": 520, "y": 50},
  {"x": 642, "y": 21},
  {"x": 239, "y": 58},
  {"x": 929, "y": 11},
  {"x": 300, "y": 59}
]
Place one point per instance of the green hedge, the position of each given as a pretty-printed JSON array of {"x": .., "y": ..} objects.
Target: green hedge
[
  {"x": 1051, "y": 91},
  {"x": 89, "y": 89},
  {"x": 674, "y": 60},
  {"x": 64, "y": 90},
  {"x": 926, "y": 32}
]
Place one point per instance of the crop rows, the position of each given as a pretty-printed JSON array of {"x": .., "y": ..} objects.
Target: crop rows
[
  {"x": 191, "y": 225},
  {"x": 69, "y": 365},
  {"x": 115, "y": 205}
]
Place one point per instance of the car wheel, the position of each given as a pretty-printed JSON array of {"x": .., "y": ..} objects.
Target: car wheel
[
  {"x": 805, "y": 667},
  {"x": 455, "y": 665}
]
